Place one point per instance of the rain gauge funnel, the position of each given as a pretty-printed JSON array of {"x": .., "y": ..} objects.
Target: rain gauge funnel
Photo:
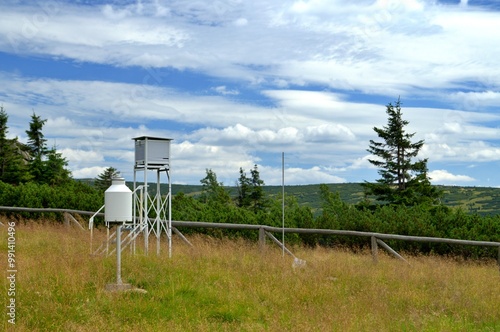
[{"x": 118, "y": 210}]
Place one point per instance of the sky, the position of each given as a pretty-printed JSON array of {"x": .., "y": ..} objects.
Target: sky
[{"x": 237, "y": 83}]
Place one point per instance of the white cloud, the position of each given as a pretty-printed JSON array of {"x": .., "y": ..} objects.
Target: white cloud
[
  {"x": 476, "y": 100},
  {"x": 79, "y": 156},
  {"x": 111, "y": 13},
  {"x": 248, "y": 138},
  {"x": 444, "y": 177},
  {"x": 363, "y": 162},
  {"x": 453, "y": 150},
  {"x": 222, "y": 89},
  {"x": 240, "y": 22},
  {"x": 297, "y": 175},
  {"x": 310, "y": 175},
  {"x": 328, "y": 133},
  {"x": 88, "y": 172},
  {"x": 190, "y": 161}
]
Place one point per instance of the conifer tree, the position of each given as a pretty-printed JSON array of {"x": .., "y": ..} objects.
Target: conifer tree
[
  {"x": 250, "y": 190},
  {"x": 55, "y": 172},
  {"x": 257, "y": 193},
  {"x": 244, "y": 189},
  {"x": 213, "y": 191},
  {"x": 37, "y": 148},
  {"x": 403, "y": 181},
  {"x": 12, "y": 165},
  {"x": 103, "y": 180},
  {"x": 46, "y": 166},
  {"x": 36, "y": 140},
  {"x": 5, "y": 146}
]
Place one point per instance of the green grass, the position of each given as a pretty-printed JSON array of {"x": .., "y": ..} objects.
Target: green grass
[{"x": 224, "y": 285}]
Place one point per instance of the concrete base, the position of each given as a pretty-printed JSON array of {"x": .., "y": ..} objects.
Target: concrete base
[{"x": 118, "y": 287}]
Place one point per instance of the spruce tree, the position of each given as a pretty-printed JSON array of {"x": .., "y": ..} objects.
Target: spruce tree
[
  {"x": 257, "y": 193},
  {"x": 244, "y": 189},
  {"x": 37, "y": 148},
  {"x": 55, "y": 172},
  {"x": 36, "y": 140},
  {"x": 13, "y": 169},
  {"x": 6, "y": 149},
  {"x": 46, "y": 166},
  {"x": 103, "y": 180},
  {"x": 403, "y": 181},
  {"x": 212, "y": 190},
  {"x": 250, "y": 190}
]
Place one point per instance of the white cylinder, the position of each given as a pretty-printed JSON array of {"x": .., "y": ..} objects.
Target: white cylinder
[{"x": 118, "y": 202}]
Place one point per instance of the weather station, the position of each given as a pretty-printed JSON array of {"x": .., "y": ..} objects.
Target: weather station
[{"x": 144, "y": 210}]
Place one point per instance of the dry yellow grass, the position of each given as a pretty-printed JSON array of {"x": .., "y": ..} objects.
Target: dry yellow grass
[{"x": 222, "y": 285}]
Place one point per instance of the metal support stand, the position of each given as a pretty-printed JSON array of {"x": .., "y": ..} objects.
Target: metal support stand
[
  {"x": 152, "y": 154},
  {"x": 119, "y": 255},
  {"x": 119, "y": 286}
]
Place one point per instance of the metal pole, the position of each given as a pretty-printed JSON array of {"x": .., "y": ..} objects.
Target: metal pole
[
  {"x": 134, "y": 207},
  {"x": 158, "y": 212},
  {"x": 283, "y": 200},
  {"x": 169, "y": 229},
  {"x": 107, "y": 239},
  {"x": 91, "y": 237},
  {"x": 119, "y": 255},
  {"x": 146, "y": 197}
]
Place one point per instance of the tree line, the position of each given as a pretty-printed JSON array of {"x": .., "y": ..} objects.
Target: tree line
[{"x": 402, "y": 201}]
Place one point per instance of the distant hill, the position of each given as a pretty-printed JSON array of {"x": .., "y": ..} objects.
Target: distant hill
[{"x": 482, "y": 200}]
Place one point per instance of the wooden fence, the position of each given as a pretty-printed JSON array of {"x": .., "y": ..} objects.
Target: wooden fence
[
  {"x": 376, "y": 238},
  {"x": 266, "y": 231}
]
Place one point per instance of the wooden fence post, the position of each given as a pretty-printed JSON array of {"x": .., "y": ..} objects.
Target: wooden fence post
[
  {"x": 374, "y": 249},
  {"x": 262, "y": 238},
  {"x": 499, "y": 257}
]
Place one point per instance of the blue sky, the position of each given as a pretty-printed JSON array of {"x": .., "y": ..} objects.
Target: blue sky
[{"x": 236, "y": 83}]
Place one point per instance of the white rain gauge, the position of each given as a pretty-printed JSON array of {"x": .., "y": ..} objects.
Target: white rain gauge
[{"x": 118, "y": 211}]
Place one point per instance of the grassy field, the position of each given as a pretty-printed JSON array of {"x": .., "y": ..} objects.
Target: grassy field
[{"x": 222, "y": 285}]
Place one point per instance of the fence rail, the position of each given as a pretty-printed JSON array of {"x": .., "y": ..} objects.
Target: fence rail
[
  {"x": 41, "y": 210},
  {"x": 376, "y": 238},
  {"x": 333, "y": 232}
]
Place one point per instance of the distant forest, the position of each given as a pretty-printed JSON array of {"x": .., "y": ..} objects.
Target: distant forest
[{"x": 480, "y": 200}]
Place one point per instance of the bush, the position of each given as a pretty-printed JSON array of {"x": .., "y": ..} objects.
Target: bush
[{"x": 72, "y": 195}]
